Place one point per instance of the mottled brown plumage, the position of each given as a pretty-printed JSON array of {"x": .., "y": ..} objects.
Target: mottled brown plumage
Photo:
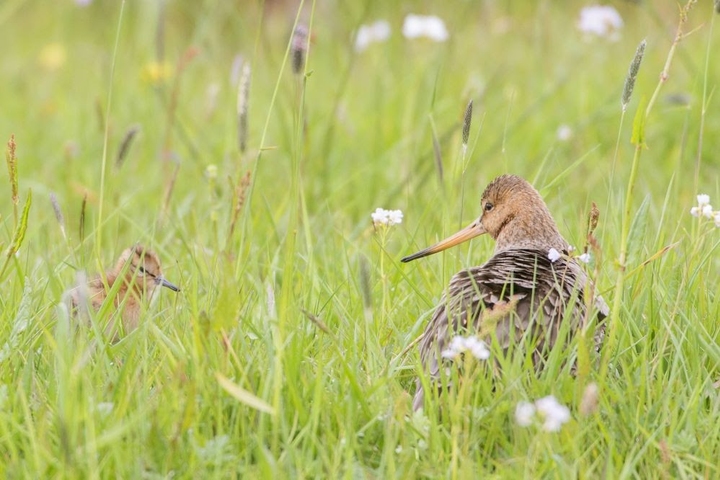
[
  {"x": 139, "y": 271},
  {"x": 519, "y": 292}
]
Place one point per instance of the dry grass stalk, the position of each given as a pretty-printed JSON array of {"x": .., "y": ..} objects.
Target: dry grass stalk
[
  {"x": 365, "y": 288},
  {"x": 169, "y": 191},
  {"x": 592, "y": 220},
  {"x": 240, "y": 193},
  {"x": 590, "y": 399},
  {"x": 58, "y": 214},
  {"x": 592, "y": 245},
  {"x": 184, "y": 61},
  {"x": 438, "y": 155},
  {"x": 317, "y": 321},
  {"x": 160, "y": 32}
]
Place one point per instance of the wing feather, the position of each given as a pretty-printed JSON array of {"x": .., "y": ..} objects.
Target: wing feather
[{"x": 518, "y": 289}]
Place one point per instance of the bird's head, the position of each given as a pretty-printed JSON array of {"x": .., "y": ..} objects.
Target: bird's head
[
  {"x": 514, "y": 214},
  {"x": 143, "y": 265}
]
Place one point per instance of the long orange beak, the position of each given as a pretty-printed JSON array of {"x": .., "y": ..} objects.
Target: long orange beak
[{"x": 471, "y": 231}]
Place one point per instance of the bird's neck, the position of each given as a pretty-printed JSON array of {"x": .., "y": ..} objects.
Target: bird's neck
[{"x": 536, "y": 230}]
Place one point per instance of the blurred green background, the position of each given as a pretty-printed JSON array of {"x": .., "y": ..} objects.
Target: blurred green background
[{"x": 351, "y": 132}]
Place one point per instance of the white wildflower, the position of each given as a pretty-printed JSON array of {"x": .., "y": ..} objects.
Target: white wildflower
[
  {"x": 707, "y": 211},
  {"x": 717, "y": 219},
  {"x": 376, "y": 32},
  {"x": 460, "y": 344},
  {"x": 585, "y": 257},
  {"x": 553, "y": 412},
  {"x": 477, "y": 348},
  {"x": 524, "y": 413},
  {"x": 600, "y": 20},
  {"x": 703, "y": 200},
  {"x": 105, "y": 408},
  {"x": 564, "y": 133},
  {"x": 554, "y": 255},
  {"x": 432, "y": 27},
  {"x": 456, "y": 347},
  {"x": 395, "y": 217},
  {"x": 695, "y": 211},
  {"x": 386, "y": 217},
  {"x": 449, "y": 354}
]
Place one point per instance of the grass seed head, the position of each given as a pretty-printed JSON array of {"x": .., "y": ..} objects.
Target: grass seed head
[
  {"x": 593, "y": 218},
  {"x": 81, "y": 227},
  {"x": 11, "y": 160},
  {"x": 241, "y": 189},
  {"x": 20, "y": 230},
  {"x": 299, "y": 48},
  {"x": 632, "y": 75},
  {"x": 243, "y": 102},
  {"x": 466, "y": 124},
  {"x": 127, "y": 141},
  {"x": 590, "y": 399}
]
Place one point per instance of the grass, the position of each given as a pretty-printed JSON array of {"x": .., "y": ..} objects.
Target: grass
[{"x": 284, "y": 353}]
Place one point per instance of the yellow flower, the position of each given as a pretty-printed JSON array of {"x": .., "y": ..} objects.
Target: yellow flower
[
  {"x": 156, "y": 73},
  {"x": 52, "y": 56}
]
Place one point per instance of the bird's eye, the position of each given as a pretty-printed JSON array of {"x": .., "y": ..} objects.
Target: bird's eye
[
  {"x": 141, "y": 269},
  {"x": 488, "y": 206}
]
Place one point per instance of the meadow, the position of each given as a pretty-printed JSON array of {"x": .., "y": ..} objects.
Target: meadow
[{"x": 251, "y": 159}]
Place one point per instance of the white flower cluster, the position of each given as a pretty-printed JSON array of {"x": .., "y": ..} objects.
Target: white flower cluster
[
  {"x": 376, "y": 32},
  {"x": 430, "y": 26},
  {"x": 554, "y": 255},
  {"x": 414, "y": 26},
  {"x": 386, "y": 217},
  {"x": 600, "y": 20},
  {"x": 460, "y": 344},
  {"x": 704, "y": 209},
  {"x": 553, "y": 413},
  {"x": 564, "y": 133}
]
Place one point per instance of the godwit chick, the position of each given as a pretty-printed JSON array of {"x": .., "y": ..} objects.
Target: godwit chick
[{"x": 139, "y": 271}]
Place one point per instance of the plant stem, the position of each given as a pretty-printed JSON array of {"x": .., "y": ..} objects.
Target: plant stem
[
  {"x": 627, "y": 210},
  {"x": 98, "y": 243}
]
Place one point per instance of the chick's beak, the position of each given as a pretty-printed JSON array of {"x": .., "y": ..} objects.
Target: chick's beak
[
  {"x": 165, "y": 283},
  {"x": 471, "y": 231}
]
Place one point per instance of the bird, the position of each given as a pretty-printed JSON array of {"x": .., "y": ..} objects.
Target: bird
[
  {"x": 520, "y": 291},
  {"x": 138, "y": 269}
]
